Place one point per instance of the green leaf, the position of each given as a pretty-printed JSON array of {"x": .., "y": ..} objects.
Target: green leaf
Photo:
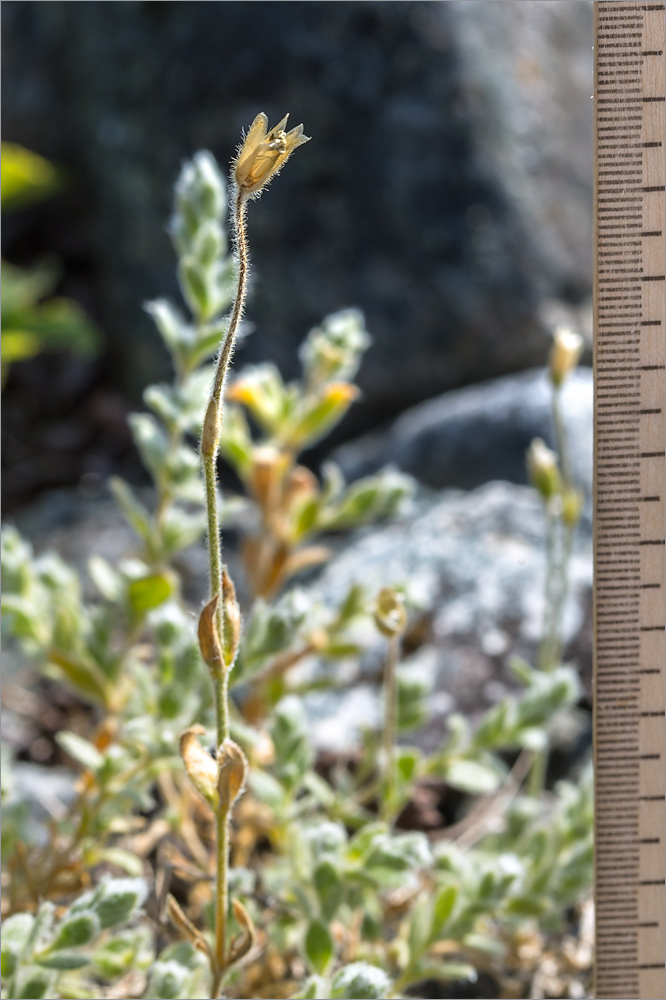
[
  {"x": 407, "y": 761},
  {"x": 118, "y": 856},
  {"x": 176, "y": 332},
  {"x": 236, "y": 441},
  {"x": 420, "y": 924},
  {"x": 399, "y": 853},
  {"x": 207, "y": 341},
  {"x": 81, "y": 750},
  {"x": 367, "y": 500},
  {"x": 105, "y": 578},
  {"x": 118, "y": 898},
  {"x": 315, "y": 988},
  {"x": 15, "y": 935},
  {"x": 272, "y": 629},
  {"x": 496, "y": 726},
  {"x": 160, "y": 399},
  {"x": 137, "y": 516},
  {"x": 26, "y": 177},
  {"x": 473, "y": 776},
  {"x": 445, "y": 971},
  {"x": 445, "y": 900},
  {"x": 83, "y": 675},
  {"x": 183, "y": 472},
  {"x": 167, "y": 980},
  {"x": 16, "y": 930},
  {"x": 200, "y": 195},
  {"x": 293, "y": 753},
  {"x": 319, "y": 415},
  {"x": 526, "y": 906},
  {"x": 305, "y": 518},
  {"x": 329, "y": 888},
  {"x": 360, "y": 981},
  {"x": 63, "y": 960},
  {"x": 522, "y": 669},
  {"x": 149, "y": 592},
  {"x": 76, "y": 930},
  {"x": 261, "y": 390},
  {"x": 334, "y": 349},
  {"x": 318, "y": 946},
  {"x": 151, "y": 441},
  {"x": 266, "y": 789},
  {"x": 412, "y": 703},
  {"x": 57, "y": 324},
  {"x": 34, "y": 985},
  {"x": 18, "y": 345},
  {"x": 195, "y": 289}
]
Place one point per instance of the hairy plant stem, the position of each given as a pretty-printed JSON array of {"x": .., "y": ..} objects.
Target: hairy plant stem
[
  {"x": 390, "y": 727},
  {"x": 210, "y": 440}
]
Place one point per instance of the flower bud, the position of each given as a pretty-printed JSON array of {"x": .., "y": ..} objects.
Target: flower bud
[
  {"x": 389, "y": 612},
  {"x": 564, "y": 354},
  {"x": 201, "y": 769},
  {"x": 572, "y": 506},
  {"x": 264, "y": 153},
  {"x": 542, "y": 469},
  {"x": 232, "y": 768}
]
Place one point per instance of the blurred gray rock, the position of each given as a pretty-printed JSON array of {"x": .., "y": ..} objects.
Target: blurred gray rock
[
  {"x": 42, "y": 793},
  {"x": 447, "y": 190},
  {"x": 474, "y": 571},
  {"x": 469, "y": 436}
]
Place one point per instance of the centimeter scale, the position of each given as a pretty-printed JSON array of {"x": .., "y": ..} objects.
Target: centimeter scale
[{"x": 629, "y": 404}]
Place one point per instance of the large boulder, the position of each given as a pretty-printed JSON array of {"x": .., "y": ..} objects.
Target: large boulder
[
  {"x": 447, "y": 190},
  {"x": 469, "y": 436}
]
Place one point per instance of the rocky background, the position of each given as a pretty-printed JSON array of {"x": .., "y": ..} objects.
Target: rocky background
[{"x": 447, "y": 192}]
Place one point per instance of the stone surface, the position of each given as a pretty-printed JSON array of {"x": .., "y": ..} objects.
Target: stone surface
[
  {"x": 469, "y": 436},
  {"x": 446, "y": 192},
  {"x": 473, "y": 567}
]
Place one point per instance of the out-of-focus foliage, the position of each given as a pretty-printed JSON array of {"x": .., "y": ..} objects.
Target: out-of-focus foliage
[
  {"x": 26, "y": 177},
  {"x": 331, "y": 898},
  {"x": 32, "y": 321}
]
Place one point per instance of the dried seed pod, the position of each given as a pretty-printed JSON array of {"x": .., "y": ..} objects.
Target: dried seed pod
[
  {"x": 264, "y": 153},
  {"x": 209, "y": 639},
  {"x": 210, "y": 432},
  {"x": 185, "y": 925},
  {"x": 389, "y": 612},
  {"x": 231, "y": 617},
  {"x": 241, "y": 945},
  {"x": 232, "y": 773},
  {"x": 201, "y": 769}
]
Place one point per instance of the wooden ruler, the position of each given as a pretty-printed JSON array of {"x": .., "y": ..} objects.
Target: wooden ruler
[{"x": 630, "y": 666}]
